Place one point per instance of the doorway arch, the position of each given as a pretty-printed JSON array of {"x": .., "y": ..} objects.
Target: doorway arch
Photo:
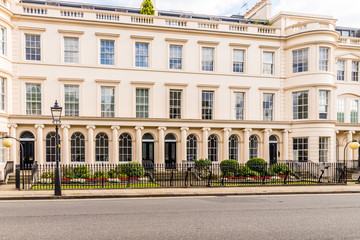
[
  {"x": 27, "y": 140},
  {"x": 273, "y": 149},
  {"x": 148, "y": 149},
  {"x": 170, "y": 151}
]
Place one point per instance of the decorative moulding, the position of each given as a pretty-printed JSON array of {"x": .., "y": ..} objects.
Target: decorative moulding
[
  {"x": 268, "y": 46},
  {"x": 108, "y": 81},
  {"x": 208, "y": 42},
  {"x": 71, "y": 79},
  {"x": 35, "y": 29},
  {"x": 176, "y": 84},
  {"x": 142, "y": 37},
  {"x": 176, "y": 40},
  {"x": 208, "y": 86},
  {"x": 239, "y": 87},
  {"x": 37, "y": 78},
  {"x": 243, "y": 45},
  {"x": 70, "y": 32},
  {"x": 142, "y": 83},
  {"x": 113, "y": 35}
]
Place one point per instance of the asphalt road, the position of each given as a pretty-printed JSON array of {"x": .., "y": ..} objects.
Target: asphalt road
[{"x": 266, "y": 217}]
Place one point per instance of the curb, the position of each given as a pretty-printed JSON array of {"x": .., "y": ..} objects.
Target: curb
[{"x": 170, "y": 195}]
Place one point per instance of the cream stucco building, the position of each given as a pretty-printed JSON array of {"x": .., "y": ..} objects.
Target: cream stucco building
[{"x": 176, "y": 86}]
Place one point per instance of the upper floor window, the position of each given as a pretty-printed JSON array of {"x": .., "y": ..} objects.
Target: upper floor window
[
  {"x": 175, "y": 57},
  {"x": 268, "y": 107},
  {"x": 300, "y": 60},
  {"x": 300, "y": 149},
  {"x": 175, "y": 104},
  {"x": 324, "y": 59},
  {"x": 323, "y": 104},
  {"x": 355, "y": 72},
  {"x": 341, "y": 70},
  {"x": 142, "y": 103},
  {"x": 238, "y": 61},
  {"x": 107, "y": 52},
  {"x": 71, "y": 100},
  {"x": 300, "y": 105},
  {"x": 142, "y": 55},
  {"x": 32, "y": 47},
  {"x": 354, "y": 111},
  {"x": 207, "y": 59},
  {"x": 268, "y": 63},
  {"x": 2, "y": 41},
  {"x": 2, "y": 94},
  {"x": 107, "y": 101},
  {"x": 33, "y": 99},
  {"x": 239, "y": 105},
  {"x": 71, "y": 50},
  {"x": 207, "y": 104},
  {"x": 341, "y": 110}
]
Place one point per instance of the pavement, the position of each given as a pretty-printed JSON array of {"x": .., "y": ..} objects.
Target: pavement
[{"x": 8, "y": 192}]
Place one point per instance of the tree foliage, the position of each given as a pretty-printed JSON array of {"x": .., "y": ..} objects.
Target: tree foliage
[{"x": 147, "y": 8}]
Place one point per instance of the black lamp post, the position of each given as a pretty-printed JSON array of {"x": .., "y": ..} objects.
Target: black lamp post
[
  {"x": 56, "y": 116},
  {"x": 353, "y": 145}
]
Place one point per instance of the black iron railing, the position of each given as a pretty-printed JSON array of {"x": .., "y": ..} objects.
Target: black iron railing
[
  {"x": 108, "y": 176},
  {"x": 9, "y": 168}
]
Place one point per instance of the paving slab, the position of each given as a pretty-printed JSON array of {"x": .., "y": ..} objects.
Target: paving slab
[{"x": 8, "y": 192}]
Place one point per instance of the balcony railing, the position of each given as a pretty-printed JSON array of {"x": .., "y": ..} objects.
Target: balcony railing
[
  {"x": 349, "y": 41},
  {"x": 133, "y": 18}
]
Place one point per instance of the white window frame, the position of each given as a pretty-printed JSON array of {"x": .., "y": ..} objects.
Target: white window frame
[
  {"x": 3, "y": 94},
  {"x": 213, "y": 157},
  {"x": 125, "y": 150},
  {"x": 108, "y": 114},
  {"x": 41, "y": 98},
  {"x": 147, "y": 57},
  {"x": 355, "y": 65},
  {"x": 41, "y": 48},
  {"x": 213, "y": 60},
  {"x": 354, "y": 118},
  {"x": 238, "y": 62},
  {"x": 75, "y": 52},
  {"x": 212, "y": 107},
  {"x": 192, "y": 149},
  {"x": 303, "y": 61},
  {"x": 100, "y": 52},
  {"x": 235, "y": 108},
  {"x": 341, "y": 72},
  {"x": 102, "y": 148},
  {"x": 253, "y": 146},
  {"x": 341, "y": 105},
  {"x": 234, "y": 148},
  {"x": 174, "y": 106},
  {"x": 324, "y": 104},
  {"x": 303, "y": 105},
  {"x": 272, "y": 64},
  {"x": 324, "y": 149},
  {"x": 3, "y": 41},
  {"x": 324, "y": 59},
  {"x": 81, "y": 147},
  {"x": 300, "y": 143},
  {"x": 272, "y": 109},
  {"x": 144, "y": 105},
  {"x": 177, "y": 58},
  {"x": 72, "y": 112}
]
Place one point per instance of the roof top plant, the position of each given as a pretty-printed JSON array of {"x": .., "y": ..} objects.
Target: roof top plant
[{"x": 147, "y": 8}]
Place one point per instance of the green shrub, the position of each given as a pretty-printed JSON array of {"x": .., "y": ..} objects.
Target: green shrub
[
  {"x": 80, "y": 170},
  {"x": 112, "y": 173},
  {"x": 280, "y": 169},
  {"x": 48, "y": 175},
  {"x": 87, "y": 176},
  {"x": 202, "y": 164},
  {"x": 258, "y": 165},
  {"x": 133, "y": 169},
  {"x": 101, "y": 174},
  {"x": 121, "y": 175},
  {"x": 246, "y": 172},
  {"x": 229, "y": 166}
]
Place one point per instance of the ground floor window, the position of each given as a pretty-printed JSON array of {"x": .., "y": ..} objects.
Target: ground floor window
[
  {"x": 213, "y": 148},
  {"x": 300, "y": 149},
  {"x": 77, "y": 147},
  {"x": 323, "y": 149},
  {"x": 51, "y": 147},
  {"x": 234, "y": 147},
  {"x": 101, "y": 148},
  {"x": 125, "y": 148},
  {"x": 191, "y": 147},
  {"x": 3, "y": 150},
  {"x": 253, "y": 147}
]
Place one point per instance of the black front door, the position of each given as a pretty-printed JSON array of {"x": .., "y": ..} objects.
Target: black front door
[
  {"x": 170, "y": 155},
  {"x": 148, "y": 153},
  {"x": 29, "y": 154},
  {"x": 273, "y": 153}
]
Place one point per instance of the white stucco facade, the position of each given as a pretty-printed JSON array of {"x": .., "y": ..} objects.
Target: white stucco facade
[{"x": 288, "y": 33}]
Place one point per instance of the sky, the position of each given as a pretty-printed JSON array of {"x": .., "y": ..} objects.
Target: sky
[{"x": 346, "y": 11}]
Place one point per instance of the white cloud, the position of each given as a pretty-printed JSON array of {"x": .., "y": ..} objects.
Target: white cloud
[{"x": 346, "y": 11}]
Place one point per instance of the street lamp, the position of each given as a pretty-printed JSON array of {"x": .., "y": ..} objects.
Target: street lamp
[
  {"x": 56, "y": 116},
  {"x": 353, "y": 145}
]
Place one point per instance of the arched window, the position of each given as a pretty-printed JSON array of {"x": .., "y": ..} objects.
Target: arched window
[
  {"x": 234, "y": 147},
  {"x": 77, "y": 147},
  {"x": 170, "y": 137},
  {"x": 253, "y": 146},
  {"x": 101, "y": 147},
  {"x": 213, "y": 148},
  {"x": 125, "y": 148},
  {"x": 148, "y": 137},
  {"x": 51, "y": 147},
  {"x": 191, "y": 147},
  {"x": 27, "y": 135}
]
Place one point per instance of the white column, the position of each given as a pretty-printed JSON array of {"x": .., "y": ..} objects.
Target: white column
[
  {"x": 115, "y": 146},
  {"x": 183, "y": 143},
  {"x": 226, "y": 143},
  {"x": 349, "y": 151},
  {"x": 64, "y": 147},
  {"x": 39, "y": 143},
  {"x": 285, "y": 154},
  {"x": 13, "y": 154},
  {"x": 266, "y": 144},
  {"x": 161, "y": 153},
  {"x": 91, "y": 150},
  {"x": 205, "y": 142},
  {"x": 246, "y": 144},
  {"x": 138, "y": 144}
]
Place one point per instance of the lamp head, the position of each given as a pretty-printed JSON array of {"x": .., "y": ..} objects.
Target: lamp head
[
  {"x": 354, "y": 145},
  {"x": 56, "y": 113},
  {"x": 7, "y": 142}
]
